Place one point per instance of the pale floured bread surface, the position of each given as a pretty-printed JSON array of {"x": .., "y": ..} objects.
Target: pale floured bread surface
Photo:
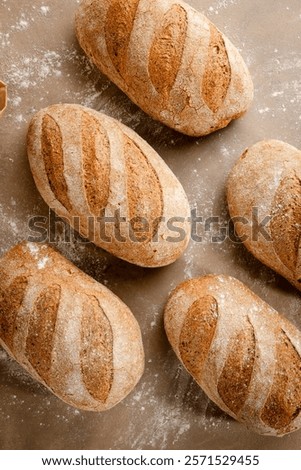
[
  {"x": 243, "y": 354},
  {"x": 169, "y": 59},
  {"x": 264, "y": 187},
  {"x": 68, "y": 331}
]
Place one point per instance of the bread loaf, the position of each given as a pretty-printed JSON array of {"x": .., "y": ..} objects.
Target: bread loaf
[
  {"x": 3, "y": 97},
  {"x": 264, "y": 197},
  {"x": 68, "y": 331},
  {"x": 109, "y": 184},
  {"x": 169, "y": 59},
  {"x": 243, "y": 354}
]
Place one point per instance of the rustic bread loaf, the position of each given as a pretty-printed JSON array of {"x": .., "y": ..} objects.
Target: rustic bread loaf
[
  {"x": 68, "y": 331},
  {"x": 264, "y": 188},
  {"x": 87, "y": 166},
  {"x": 243, "y": 354},
  {"x": 169, "y": 59},
  {"x": 3, "y": 97}
]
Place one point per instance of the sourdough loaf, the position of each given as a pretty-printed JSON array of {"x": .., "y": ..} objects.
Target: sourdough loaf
[
  {"x": 109, "y": 184},
  {"x": 169, "y": 59},
  {"x": 68, "y": 331},
  {"x": 264, "y": 197},
  {"x": 244, "y": 355}
]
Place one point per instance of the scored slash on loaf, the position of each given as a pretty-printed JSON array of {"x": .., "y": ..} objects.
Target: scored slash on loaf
[
  {"x": 243, "y": 354},
  {"x": 87, "y": 165},
  {"x": 169, "y": 59},
  {"x": 69, "y": 332},
  {"x": 3, "y": 97},
  {"x": 267, "y": 179}
]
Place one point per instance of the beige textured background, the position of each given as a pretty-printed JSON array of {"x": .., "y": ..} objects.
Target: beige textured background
[{"x": 42, "y": 64}]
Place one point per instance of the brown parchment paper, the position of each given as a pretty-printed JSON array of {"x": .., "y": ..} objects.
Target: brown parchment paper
[{"x": 41, "y": 63}]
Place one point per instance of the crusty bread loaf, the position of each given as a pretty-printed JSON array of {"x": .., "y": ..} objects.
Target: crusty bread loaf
[
  {"x": 3, "y": 97},
  {"x": 68, "y": 331},
  {"x": 243, "y": 354},
  {"x": 265, "y": 184},
  {"x": 169, "y": 59},
  {"x": 87, "y": 165}
]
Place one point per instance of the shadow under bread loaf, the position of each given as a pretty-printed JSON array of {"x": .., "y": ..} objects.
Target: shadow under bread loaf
[
  {"x": 169, "y": 59},
  {"x": 264, "y": 187},
  {"x": 69, "y": 332},
  {"x": 242, "y": 353},
  {"x": 109, "y": 184}
]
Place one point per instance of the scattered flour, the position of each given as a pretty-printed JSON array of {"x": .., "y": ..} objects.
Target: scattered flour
[
  {"x": 264, "y": 110},
  {"x": 221, "y": 4},
  {"x": 30, "y": 71},
  {"x": 182, "y": 410},
  {"x": 45, "y": 10},
  {"x": 12, "y": 229},
  {"x": 277, "y": 93},
  {"x": 33, "y": 249},
  {"x": 43, "y": 262}
]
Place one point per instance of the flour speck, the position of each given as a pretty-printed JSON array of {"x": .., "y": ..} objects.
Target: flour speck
[{"x": 44, "y": 10}]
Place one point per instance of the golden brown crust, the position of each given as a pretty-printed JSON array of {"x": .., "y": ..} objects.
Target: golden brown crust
[
  {"x": 244, "y": 354},
  {"x": 118, "y": 27},
  {"x": 52, "y": 152},
  {"x": 286, "y": 222},
  {"x": 284, "y": 402},
  {"x": 41, "y": 331},
  {"x": 197, "y": 334},
  {"x": 167, "y": 49},
  {"x": 3, "y": 97},
  {"x": 97, "y": 342},
  {"x": 95, "y": 170},
  {"x": 11, "y": 298},
  {"x": 236, "y": 375},
  {"x": 217, "y": 76},
  {"x": 141, "y": 176}
]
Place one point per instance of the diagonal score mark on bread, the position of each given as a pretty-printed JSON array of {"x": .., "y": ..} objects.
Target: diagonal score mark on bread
[
  {"x": 11, "y": 299},
  {"x": 41, "y": 331},
  {"x": 142, "y": 181},
  {"x": 52, "y": 151},
  {"x": 236, "y": 375},
  {"x": 96, "y": 352},
  {"x": 166, "y": 52},
  {"x": 96, "y": 164},
  {"x": 197, "y": 334},
  {"x": 3, "y": 97},
  {"x": 283, "y": 404},
  {"x": 217, "y": 76},
  {"x": 118, "y": 28},
  {"x": 286, "y": 222}
]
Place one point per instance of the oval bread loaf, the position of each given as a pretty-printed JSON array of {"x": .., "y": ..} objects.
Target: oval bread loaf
[
  {"x": 169, "y": 59},
  {"x": 243, "y": 354},
  {"x": 68, "y": 331},
  {"x": 264, "y": 197},
  {"x": 109, "y": 184}
]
